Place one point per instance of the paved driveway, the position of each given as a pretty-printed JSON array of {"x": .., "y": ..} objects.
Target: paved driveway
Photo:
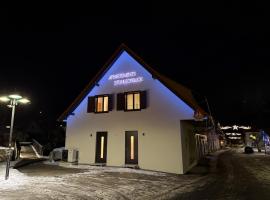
[
  {"x": 42, "y": 181},
  {"x": 233, "y": 175},
  {"x": 237, "y": 176}
]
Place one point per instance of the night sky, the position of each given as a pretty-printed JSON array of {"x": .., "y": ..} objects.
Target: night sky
[{"x": 222, "y": 52}]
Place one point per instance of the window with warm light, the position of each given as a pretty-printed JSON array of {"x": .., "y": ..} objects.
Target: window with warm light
[
  {"x": 133, "y": 101},
  {"x": 129, "y": 101},
  {"x": 102, "y": 104},
  {"x": 137, "y": 102}
]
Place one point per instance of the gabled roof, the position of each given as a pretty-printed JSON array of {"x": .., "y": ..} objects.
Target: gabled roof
[{"x": 181, "y": 91}]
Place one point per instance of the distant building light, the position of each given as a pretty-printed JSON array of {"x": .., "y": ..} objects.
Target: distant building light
[
  {"x": 234, "y": 138},
  {"x": 225, "y": 127},
  {"x": 245, "y": 127},
  {"x": 253, "y": 137},
  {"x": 233, "y": 134},
  {"x": 235, "y": 127}
]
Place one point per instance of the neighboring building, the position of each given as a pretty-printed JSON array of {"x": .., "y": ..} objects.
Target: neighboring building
[
  {"x": 258, "y": 139},
  {"x": 250, "y": 138},
  {"x": 131, "y": 115}
]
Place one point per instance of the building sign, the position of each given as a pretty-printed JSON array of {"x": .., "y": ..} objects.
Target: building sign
[{"x": 125, "y": 78}]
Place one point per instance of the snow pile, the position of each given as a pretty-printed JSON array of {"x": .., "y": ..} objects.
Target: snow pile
[{"x": 17, "y": 179}]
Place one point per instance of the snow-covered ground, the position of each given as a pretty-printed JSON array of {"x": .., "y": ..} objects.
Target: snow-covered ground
[
  {"x": 43, "y": 181},
  {"x": 3, "y": 152},
  {"x": 237, "y": 176}
]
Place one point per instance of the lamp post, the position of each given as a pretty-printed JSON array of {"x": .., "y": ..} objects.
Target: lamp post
[{"x": 13, "y": 99}]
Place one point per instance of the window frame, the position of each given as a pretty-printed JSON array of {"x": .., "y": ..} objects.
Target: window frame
[
  {"x": 133, "y": 95},
  {"x": 96, "y": 103}
]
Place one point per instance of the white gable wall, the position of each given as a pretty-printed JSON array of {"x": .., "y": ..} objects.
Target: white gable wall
[{"x": 159, "y": 149}]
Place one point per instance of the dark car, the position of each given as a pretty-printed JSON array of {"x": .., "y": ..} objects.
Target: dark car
[{"x": 248, "y": 150}]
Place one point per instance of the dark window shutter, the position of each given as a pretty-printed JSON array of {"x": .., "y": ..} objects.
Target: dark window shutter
[
  {"x": 143, "y": 98},
  {"x": 91, "y": 105},
  {"x": 120, "y": 101},
  {"x": 110, "y": 102}
]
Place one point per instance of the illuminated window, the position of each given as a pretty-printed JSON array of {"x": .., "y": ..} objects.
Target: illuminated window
[
  {"x": 137, "y": 101},
  {"x": 129, "y": 101},
  {"x": 102, "y": 104},
  {"x": 105, "y": 103},
  {"x": 133, "y": 101},
  {"x": 99, "y": 104}
]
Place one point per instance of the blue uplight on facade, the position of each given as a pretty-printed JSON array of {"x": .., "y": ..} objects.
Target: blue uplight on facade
[{"x": 133, "y": 70}]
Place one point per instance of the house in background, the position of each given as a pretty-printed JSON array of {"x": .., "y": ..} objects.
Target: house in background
[
  {"x": 131, "y": 115},
  {"x": 258, "y": 139}
]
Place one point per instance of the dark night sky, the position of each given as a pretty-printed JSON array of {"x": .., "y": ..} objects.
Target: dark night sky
[{"x": 221, "y": 51}]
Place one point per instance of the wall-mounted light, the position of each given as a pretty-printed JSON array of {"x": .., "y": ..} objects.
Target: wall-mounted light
[
  {"x": 143, "y": 134},
  {"x": 91, "y": 135}
]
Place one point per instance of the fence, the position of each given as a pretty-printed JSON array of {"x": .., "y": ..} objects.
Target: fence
[{"x": 38, "y": 147}]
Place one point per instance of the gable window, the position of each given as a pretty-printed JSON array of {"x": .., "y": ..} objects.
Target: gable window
[
  {"x": 100, "y": 103},
  {"x": 131, "y": 101}
]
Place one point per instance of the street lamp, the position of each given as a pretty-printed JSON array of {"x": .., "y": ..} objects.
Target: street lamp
[{"x": 13, "y": 99}]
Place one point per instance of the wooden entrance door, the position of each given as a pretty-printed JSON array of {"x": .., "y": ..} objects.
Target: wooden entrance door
[
  {"x": 131, "y": 147},
  {"x": 101, "y": 147}
]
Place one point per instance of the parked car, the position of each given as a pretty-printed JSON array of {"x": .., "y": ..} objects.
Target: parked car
[{"x": 248, "y": 149}]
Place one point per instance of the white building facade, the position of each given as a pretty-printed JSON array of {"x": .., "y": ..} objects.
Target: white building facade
[{"x": 130, "y": 115}]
